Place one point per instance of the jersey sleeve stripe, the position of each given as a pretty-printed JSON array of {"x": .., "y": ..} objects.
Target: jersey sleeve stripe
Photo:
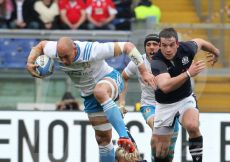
[
  {"x": 85, "y": 51},
  {"x": 89, "y": 51}
]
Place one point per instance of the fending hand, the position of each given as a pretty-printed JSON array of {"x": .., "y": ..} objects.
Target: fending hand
[
  {"x": 212, "y": 58},
  {"x": 196, "y": 67},
  {"x": 149, "y": 79}
]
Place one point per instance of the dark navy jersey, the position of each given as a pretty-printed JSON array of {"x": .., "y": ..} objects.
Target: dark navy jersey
[{"x": 179, "y": 64}]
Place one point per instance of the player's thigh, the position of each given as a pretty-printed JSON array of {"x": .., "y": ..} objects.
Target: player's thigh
[
  {"x": 148, "y": 113},
  {"x": 189, "y": 113},
  {"x": 115, "y": 82},
  {"x": 190, "y": 119}
]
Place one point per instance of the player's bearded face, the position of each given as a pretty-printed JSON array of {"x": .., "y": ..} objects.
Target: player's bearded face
[
  {"x": 151, "y": 48},
  {"x": 68, "y": 57},
  {"x": 169, "y": 47}
]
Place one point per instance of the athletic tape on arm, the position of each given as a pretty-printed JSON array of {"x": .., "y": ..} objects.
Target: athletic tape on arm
[
  {"x": 134, "y": 54},
  {"x": 136, "y": 57}
]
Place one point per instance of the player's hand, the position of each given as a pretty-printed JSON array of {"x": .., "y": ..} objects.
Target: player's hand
[
  {"x": 149, "y": 79},
  {"x": 123, "y": 110},
  {"x": 213, "y": 57},
  {"x": 31, "y": 69},
  {"x": 196, "y": 67}
]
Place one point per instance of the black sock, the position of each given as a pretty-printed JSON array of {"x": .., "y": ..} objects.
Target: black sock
[{"x": 196, "y": 148}]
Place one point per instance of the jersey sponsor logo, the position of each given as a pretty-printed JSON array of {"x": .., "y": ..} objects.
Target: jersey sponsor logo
[
  {"x": 80, "y": 73},
  {"x": 168, "y": 68},
  {"x": 147, "y": 110},
  {"x": 185, "y": 60}
]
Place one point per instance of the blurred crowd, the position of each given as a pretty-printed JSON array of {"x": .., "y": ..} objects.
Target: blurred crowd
[{"x": 74, "y": 14}]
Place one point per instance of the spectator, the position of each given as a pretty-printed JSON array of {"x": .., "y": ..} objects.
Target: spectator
[
  {"x": 68, "y": 102},
  {"x": 100, "y": 14},
  {"x": 146, "y": 9},
  {"x": 48, "y": 13},
  {"x": 124, "y": 14},
  {"x": 6, "y": 9},
  {"x": 73, "y": 14},
  {"x": 24, "y": 15}
]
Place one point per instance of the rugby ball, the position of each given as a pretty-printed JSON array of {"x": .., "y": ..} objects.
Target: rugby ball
[{"x": 45, "y": 65}]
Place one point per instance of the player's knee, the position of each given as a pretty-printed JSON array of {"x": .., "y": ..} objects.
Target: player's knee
[
  {"x": 192, "y": 128},
  {"x": 100, "y": 93},
  {"x": 129, "y": 46}
]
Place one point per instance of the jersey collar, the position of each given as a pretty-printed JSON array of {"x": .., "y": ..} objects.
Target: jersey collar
[{"x": 77, "y": 52}]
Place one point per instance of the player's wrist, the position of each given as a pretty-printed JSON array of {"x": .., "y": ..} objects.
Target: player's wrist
[
  {"x": 188, "y": 74},
  {"x": 136, "y": 57},
  {"x": 216, "y": 52}
]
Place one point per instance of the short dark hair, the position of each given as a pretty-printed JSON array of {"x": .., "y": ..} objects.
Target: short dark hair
[
  {"x": 151, "y": 37},
  {"x": 168, "y": 33}
]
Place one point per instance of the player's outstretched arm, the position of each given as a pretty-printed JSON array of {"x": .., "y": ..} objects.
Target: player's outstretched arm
[
  {"x": 213, "y": 52},
  {"x": 135, "y": 56},
  {"x": 167, "y": 83},
  {"x": 34, "y": 53}
]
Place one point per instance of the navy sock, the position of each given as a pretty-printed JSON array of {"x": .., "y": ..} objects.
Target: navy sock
[{"x": 196, "y": 148}]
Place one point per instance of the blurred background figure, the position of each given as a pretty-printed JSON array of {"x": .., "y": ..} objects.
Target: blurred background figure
[
  {"x": 124, "y": 14},
  {"x": 100, "y": 14},
  {"x": 24, "y": 15},
  {"x": 6, "y": 9},
  {"x": 145, "y": 9},
  {"x": 68, "y": 102},
  {"x": 73, "y": 14},
  {"x": 119, "y": 63},
  {"x": 228, "y": 10},
  {"x": 48, "y": 13}
]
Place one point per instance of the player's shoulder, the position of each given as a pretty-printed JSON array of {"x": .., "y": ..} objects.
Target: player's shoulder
[
  {"x": 158, "y": 67},
  {"x": 50, "y": 48},
  {"x": 84, "y": 44},
  {"x": 187, "y": 46},
  {"x": 157, "y": 63},
  {"x": 158, "y": 55}
]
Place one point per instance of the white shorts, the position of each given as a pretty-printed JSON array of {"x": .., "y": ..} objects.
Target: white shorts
[{"x": 166, "y": 114}]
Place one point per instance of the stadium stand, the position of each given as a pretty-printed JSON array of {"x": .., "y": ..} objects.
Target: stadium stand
[
  {"x": 213, "y": 93},
  {"x": 177, "y": 11},
  {"x": 14, "y": 52}
]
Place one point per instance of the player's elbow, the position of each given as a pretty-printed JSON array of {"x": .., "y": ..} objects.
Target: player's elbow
[
  {"x": 165, "y": 89},
  {"x": 125, "y": 76},
  {"x": 128, "y": 47}
]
